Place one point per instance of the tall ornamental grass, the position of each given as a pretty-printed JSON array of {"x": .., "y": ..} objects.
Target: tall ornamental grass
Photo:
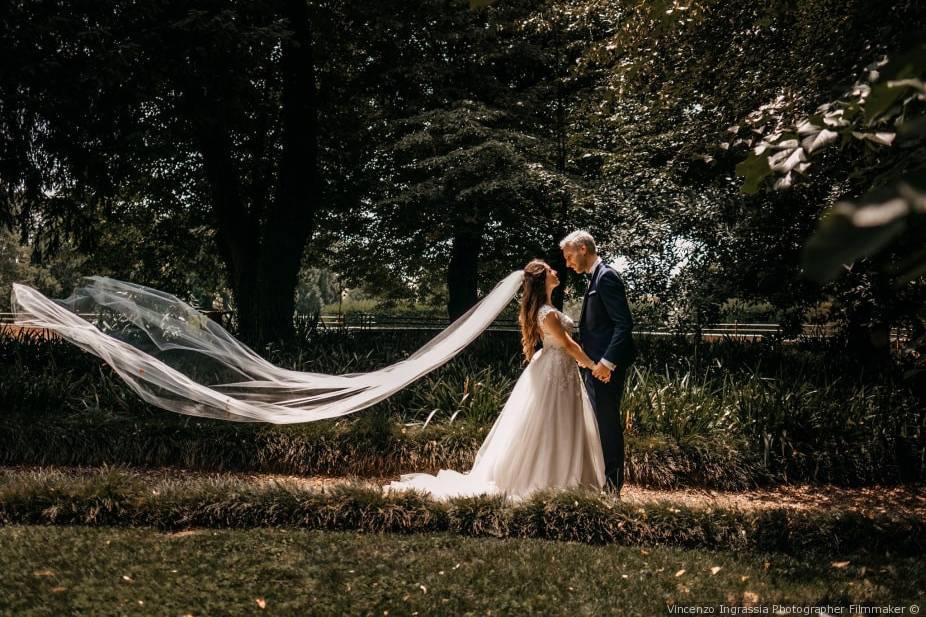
[{"x": 788, "y": 412}]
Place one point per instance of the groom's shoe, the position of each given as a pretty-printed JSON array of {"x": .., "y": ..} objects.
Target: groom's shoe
[{"x": 612, "y": 489}]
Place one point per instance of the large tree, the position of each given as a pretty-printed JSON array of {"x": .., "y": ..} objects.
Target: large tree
[
  {"x": 469, "y": 197},
  {"x": 202, "y": 110},
  {"x": 477, "y": 168}
]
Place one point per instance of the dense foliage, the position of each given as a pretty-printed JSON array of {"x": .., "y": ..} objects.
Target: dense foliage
[
  {"x": 452, "y": 142},
  {"x": 725, "y": 415}
]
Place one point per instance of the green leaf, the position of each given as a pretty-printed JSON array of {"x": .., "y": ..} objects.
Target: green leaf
[
  {"x": 754, "y": 169},
  {"x": 912, "y": 129},
  {"x": 882, "y": 97},
  {"x": 860, "y": 229},
  {"x": 838, "y": 242}
]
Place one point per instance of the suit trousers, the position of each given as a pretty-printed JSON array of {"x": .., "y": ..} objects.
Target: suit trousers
[{"x": 606, "y": 401}]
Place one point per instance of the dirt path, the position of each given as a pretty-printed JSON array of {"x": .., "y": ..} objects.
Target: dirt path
[{"x": 871, "y": 500}]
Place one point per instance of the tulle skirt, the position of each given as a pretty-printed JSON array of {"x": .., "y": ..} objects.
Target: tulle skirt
[{"x": 546, "y": 436}]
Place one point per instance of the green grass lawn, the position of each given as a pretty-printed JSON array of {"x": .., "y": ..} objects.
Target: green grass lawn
[{"x": 57, "y": 570}]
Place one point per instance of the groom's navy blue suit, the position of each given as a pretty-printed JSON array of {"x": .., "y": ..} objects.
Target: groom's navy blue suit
[{"x": 605, "y": 333}]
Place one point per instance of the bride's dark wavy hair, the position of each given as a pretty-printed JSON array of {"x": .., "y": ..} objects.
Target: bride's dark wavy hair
[{"x": 533, "y": 296}]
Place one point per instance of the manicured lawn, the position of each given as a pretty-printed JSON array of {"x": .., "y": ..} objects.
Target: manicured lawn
[{"x": 54, "y": 570}]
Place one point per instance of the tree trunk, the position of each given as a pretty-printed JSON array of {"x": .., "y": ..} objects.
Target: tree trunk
[
  {"x": 463, "y": 270},
  {"x": 237, "y": 241},
  {"x": 263, "y": 261},
  {"x": 869, "y": 321},
  {"x": 869, "y": 341},
  {"x": 289, "y": 223}
]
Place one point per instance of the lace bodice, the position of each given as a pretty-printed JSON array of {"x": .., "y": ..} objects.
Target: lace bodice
[
  {"x": 562, "y": 366},
  {"x": 567, "y": 323}
]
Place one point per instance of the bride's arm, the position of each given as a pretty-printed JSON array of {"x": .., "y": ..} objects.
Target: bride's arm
[{"x": 555, "y": 329}]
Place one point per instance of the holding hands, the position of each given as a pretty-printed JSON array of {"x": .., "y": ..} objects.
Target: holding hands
[{"x": 601, "y": 372}]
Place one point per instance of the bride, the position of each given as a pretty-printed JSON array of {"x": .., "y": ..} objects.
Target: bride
[{"x": 546, "y": 435}]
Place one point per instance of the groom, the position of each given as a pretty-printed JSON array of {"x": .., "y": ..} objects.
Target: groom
[{"x": 604, "y": 332}]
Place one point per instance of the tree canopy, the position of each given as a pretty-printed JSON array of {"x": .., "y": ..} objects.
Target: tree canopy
[{"x": 424, "y": 148}]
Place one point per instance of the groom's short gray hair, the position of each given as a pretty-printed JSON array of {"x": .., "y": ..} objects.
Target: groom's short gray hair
[{"x": 577, "y": 239}]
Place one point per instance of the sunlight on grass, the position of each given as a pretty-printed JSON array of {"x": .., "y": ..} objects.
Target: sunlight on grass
[{"x": 57, "y": 570}]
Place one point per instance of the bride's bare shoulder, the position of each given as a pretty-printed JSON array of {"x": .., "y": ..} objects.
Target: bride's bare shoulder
[
  {"x": 545, "y": 310},
  {"x": 543, "y": 316}
]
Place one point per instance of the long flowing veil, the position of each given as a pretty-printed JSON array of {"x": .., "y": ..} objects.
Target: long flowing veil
[{"x": 176, "y": 358}]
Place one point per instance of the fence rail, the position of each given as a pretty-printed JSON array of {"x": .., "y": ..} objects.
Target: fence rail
[
  {"x": 373, "y": 322},
  {"x": 732, "y": 329}
]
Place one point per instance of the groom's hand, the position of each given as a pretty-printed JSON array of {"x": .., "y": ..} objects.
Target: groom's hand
[{"x": 601, "y": 372}]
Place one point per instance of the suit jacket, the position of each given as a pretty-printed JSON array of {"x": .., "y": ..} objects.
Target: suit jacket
[{"x": 605, "y": 324}]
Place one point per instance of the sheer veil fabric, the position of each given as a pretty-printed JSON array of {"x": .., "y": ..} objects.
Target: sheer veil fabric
[{"x": 177, "y": 359}]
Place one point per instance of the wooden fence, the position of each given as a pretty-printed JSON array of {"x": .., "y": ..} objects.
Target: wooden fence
[
  {"x": 369, "y": 321},
  {"x": 373, "y": 322}
]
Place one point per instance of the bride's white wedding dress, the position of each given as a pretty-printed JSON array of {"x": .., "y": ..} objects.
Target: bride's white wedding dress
[{"x": 546, "y": 435}]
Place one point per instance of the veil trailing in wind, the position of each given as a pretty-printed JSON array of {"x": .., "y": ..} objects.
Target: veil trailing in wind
[{"x": 178, "y": 359}]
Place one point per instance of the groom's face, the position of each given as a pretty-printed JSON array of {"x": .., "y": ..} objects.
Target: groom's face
[{"x": 576, "y": 258}]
